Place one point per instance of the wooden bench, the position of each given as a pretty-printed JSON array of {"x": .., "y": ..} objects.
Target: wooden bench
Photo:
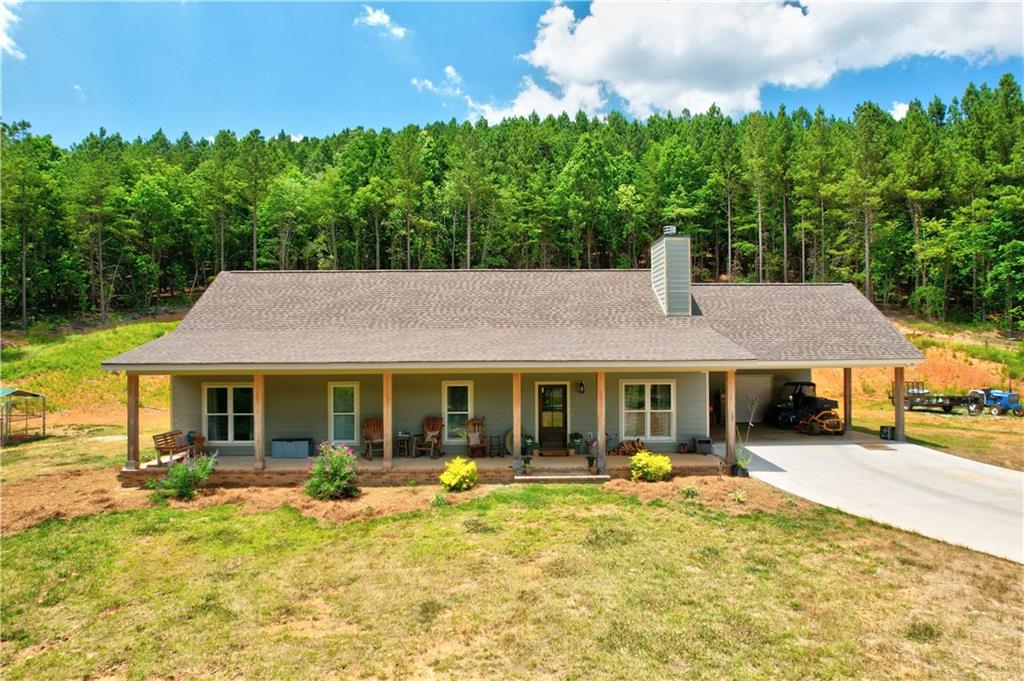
[{"x": 175, "y": 442}]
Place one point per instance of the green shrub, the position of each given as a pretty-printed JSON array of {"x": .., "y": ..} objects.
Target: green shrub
[
  {"x": 333, "y": 473},
  {"x": 183, "y": 479},
  {"x": 927, "y": 300},
  {"x": 459, "y": 475},
  {"x": 743, "y": 457},
  {"x": 690, "y": 492},
  {"x": 439, "y": 500},
  {"x": 923, "y": 631},
  {"x": 650, "y": 467}
]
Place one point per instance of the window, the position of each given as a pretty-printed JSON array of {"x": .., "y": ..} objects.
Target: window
[
  {"x": 343, "y": 412},
  {"x": 648, "y": 410},
  {"x": 457, "y": 404},
  {"x": 228, "y": 413}
]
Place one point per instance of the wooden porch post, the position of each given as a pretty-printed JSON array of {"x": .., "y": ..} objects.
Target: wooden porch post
[
  {"x": 132, "y": 462},
  {"x": 517, "y": 414},
  {"x": 847, "y": 397},
  {"x": 258, "y": 414},
  {"x": 601, "y": 426},
  {"x": 386, "y": 391},
  {"x": 730, "y": 417},
  {"x": 897, "y": 403}
]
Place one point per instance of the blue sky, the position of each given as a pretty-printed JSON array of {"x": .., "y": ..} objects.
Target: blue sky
[{"x": 311, "y": 69}]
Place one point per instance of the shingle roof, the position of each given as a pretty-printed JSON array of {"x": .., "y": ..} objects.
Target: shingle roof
[{"x": 530, "y": 316}]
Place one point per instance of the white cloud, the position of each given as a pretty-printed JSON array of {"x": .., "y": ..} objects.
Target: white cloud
[
  {"x": 451, "y": 86},
  {"x": 79, "y": 91},
  {"x": 7, "y": 21},
  {"x": 296, "y": 138},
  {"x": 670, "y": 56},
  {"x": 533, "y": 98},
  {"x": 380, "y": 19},
  {"x": 899, "y": 109}
]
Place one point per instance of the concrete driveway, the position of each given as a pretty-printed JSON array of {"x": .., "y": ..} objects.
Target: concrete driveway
[{"x": 907, "y": 486}]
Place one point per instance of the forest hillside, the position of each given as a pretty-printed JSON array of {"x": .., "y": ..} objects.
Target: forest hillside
[{"x": 925, "y": 212}]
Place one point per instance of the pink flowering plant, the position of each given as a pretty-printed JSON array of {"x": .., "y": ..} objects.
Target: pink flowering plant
[{"x": 333, "y": 473}]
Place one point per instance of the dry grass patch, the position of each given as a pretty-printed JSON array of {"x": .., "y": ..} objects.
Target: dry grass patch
[
  {"x": 526, "y": 581},
  {"x": 78, "y": 493},
  {"x": 732, "y": 495}
]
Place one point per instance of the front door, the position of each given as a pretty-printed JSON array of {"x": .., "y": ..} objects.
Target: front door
[{"x": 553, "y": 408}]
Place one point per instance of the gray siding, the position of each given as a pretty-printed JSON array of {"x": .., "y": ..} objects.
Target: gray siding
[
  {"x": 297, "y": 405},
  {"x": 691, "y": 405},
  {"x": 677, "y": 276},
  {"x": 658, "y": 270},
  {"x": 670, "y": 274}
]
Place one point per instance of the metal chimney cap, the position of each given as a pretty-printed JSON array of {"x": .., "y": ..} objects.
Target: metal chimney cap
[{"x": 668, "y": 230}]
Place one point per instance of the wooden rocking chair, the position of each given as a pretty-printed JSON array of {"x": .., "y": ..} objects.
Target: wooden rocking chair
[
  {"x": 429, "y": 440},
  {"x": 373, "y": 436},
  {"x": 476, "y": 436}
]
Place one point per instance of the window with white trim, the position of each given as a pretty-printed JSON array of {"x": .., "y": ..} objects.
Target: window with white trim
[
  {"x": 228, "y": 414},
  {"x": 648, "y": 410},
  {"x": 457, "y": 405},
  {"x": 343, "y": 412}
]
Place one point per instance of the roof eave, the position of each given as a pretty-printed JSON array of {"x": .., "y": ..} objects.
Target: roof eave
[{"x": 500, "y": 367}]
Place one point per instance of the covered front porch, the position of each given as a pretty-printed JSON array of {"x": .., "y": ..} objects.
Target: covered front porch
[{"x": 243, "y": 415}]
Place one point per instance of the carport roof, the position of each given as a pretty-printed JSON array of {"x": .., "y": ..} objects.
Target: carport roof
[{"x": 499, "y": 318}]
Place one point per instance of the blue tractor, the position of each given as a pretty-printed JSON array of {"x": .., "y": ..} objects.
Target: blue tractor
[{"x": 996, "y": 402}]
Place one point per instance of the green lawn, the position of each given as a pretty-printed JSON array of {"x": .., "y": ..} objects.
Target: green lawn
[
  {"x": 66, "y": 368},
  {"x": 529, "y": 581}
]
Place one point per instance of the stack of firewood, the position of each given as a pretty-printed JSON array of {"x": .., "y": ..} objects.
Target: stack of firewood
[{"x": 628, "y": 448}]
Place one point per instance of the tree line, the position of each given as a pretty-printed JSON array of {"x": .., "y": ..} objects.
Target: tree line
[{"x": 926, "y": 211}]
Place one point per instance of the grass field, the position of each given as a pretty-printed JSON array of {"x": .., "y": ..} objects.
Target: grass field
[
  {"x": 527, "y": 582},
  {"x": 66, "y": 368}
]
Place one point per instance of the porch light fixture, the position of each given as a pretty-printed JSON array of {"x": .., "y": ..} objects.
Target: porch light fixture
[{"x": 581, "y": 388}]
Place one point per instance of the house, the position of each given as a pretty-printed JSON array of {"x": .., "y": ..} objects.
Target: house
[{"x": 272, "y": 355}]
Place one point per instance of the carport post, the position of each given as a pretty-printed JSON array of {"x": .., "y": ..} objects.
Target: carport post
[
  {"x": 730, "y": 417},
  {"x": 847, "y": 397},
  {"x": 897, "y": 402}
]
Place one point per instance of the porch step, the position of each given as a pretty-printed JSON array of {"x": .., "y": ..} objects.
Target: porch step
[{"x": 562, "y": 479}]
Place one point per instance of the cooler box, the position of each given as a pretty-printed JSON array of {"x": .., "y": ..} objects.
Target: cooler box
[{"x": 296, "y": 448}]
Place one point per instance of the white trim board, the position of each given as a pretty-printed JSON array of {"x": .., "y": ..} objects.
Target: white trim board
[
  {"x": 330, "y": 411},
  {"x": 493, "y": 367},
  {"x": 230, "y": 414},
  {"x": 444, "y": 408}
]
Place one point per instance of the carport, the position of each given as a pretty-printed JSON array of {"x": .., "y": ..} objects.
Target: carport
[{"x": 738, "y": 398}]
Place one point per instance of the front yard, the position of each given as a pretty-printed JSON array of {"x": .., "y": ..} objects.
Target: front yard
[{"x": 527, "y": 581}]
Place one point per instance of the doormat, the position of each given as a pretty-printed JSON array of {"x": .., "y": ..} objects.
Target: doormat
[{"x": 878, "y": 447}]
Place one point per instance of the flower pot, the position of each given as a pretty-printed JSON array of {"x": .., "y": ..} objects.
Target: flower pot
[{"x": 740, "y": 472}]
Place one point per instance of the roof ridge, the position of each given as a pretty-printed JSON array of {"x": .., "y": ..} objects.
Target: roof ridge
[
  {"x": 772, "y": 283},
  {"x": 435, "y": 271}
]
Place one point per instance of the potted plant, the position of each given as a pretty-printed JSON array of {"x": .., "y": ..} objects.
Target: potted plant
[
  {"x": 743, "y": 459},
  {"x": 529, "y": 447},
  {"x": 575, "y": 443}
]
